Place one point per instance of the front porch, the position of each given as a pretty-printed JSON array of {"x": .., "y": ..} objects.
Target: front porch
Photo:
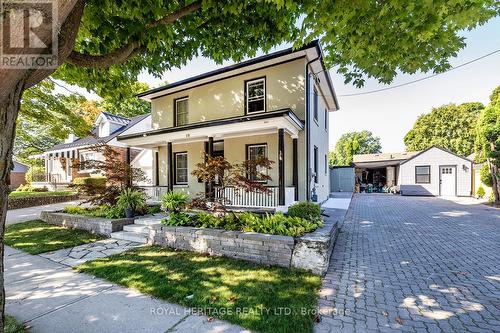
[
  {"x": 237, "y": 198},
  {"x": 178, "y": 150}
]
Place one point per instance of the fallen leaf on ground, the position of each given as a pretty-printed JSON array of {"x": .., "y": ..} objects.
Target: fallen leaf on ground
[{"x": 399, "y": 320}]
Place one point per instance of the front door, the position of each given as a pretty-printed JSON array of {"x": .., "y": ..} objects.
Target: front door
[{"x": 447, "y": 180}]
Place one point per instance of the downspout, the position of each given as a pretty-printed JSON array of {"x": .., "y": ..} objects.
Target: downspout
[{"x": 308, "y": 132}]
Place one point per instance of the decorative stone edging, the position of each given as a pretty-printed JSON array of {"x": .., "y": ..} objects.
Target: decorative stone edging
[
  {"x": 16, "y": 203},
  {"x": 254, "y": 247},
  {"x": 311, "y": 251},
  {"x": 97, "y": 225}
]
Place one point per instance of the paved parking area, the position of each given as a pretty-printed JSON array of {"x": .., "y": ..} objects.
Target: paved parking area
[{"x": 414, "y": 264}]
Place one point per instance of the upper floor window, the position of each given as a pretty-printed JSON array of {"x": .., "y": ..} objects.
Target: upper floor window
[
  {"x": 315, "y": 104},
  {"x": 255, "y": 152},
  {"x": 326, "y": 119},
  {"x": 181, "y": 111},
  {"x": 316, "y": 164},
  {"x": 255, "y": 95}
]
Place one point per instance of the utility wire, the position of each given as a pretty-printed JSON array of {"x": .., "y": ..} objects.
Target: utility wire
[{"x": 418, "y": 80}]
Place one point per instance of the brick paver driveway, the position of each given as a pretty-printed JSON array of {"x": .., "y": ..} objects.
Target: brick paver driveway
[{"x": 414, "y": 264}]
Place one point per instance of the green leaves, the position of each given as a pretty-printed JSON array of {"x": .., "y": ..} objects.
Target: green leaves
[
  {"x": 352, "y": 143},
  {"x": 449, "y": 126}
]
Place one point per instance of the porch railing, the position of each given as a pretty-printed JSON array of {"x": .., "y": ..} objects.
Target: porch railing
[
  {"x": 155, "y": 193},
  {"x": 241, "y": 198}
]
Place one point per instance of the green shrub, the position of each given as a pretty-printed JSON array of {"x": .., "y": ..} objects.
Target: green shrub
[
  {"x": 90, "y": 181},
  {"x": 485, "y": 175},
  {"x": 492, "y": 197},
  {"x": 276, "y": 224},
  {"x": 204, "y": 220},
  {"x": 279, "y": 224},
  {"x": 480, "y": 192},
  {"x": 155, "y": 209},
  {"x": 33, "y": 170},
  {"x": 305, "y": 210},
  {"x": 25, "y": 188},
  {"x": 178, "y": 220},
  {"x": 174, "y": 201},
  {"x": 99, "y": 211},
  {"x": 114, "y": 212},
  {"x": 131, "y": 199}
]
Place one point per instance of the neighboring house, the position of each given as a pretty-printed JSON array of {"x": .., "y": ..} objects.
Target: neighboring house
[
  {"x": 18, "y": 175},
  {"x": 276, "y": 105},
  {"x": 434, "y": 171},
  {"x": 61, "y": 160}
]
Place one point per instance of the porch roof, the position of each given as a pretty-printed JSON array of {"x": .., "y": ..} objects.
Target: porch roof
[{"x": 261, "y": 123}]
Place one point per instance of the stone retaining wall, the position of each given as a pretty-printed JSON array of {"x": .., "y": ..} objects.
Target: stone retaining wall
[
  {"x": 311, "y": 251},
  {"x": 96, "y": 225},
  {"x": 254, "y": 247},
  {"x": 16, "y": 203}
]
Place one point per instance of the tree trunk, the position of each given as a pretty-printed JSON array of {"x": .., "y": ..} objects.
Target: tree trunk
[
  {"x": 9, "y": 108},
  {"x": 496, "y": 184}
]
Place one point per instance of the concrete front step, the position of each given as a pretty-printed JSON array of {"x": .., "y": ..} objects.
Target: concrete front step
[
  {"x": 137, "y": 228},
  {"x": 147, "y": 221},
  {"x": 130, "y": 236}
]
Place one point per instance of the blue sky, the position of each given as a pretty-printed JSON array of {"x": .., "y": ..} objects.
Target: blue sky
[{"x": 390, "y": 114}]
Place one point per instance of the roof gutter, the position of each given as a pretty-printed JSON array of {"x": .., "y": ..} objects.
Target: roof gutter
[{"x": 308, "y": 131}]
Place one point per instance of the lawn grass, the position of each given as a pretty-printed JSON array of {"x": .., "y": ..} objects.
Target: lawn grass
[
  {"x": 37, "y": 237},
  {"x": 242, "y": 293},
  {"x": 27, "y": 194},
  {"x": 12, "y": 326}
]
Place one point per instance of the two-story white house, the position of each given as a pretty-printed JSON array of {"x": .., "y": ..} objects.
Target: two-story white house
[{"x": 276, "y": 105}]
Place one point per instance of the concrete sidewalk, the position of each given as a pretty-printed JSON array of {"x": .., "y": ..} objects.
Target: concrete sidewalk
[
  {"x": 50, "y": 297},
  {"x": 33, "y": 213}
]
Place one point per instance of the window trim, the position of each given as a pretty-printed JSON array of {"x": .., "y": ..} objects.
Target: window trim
[
  {"x": 247, "y": 155},
  {"x": 316, "y": 162},
  {"x": 86, "y": 152},
  {"x": 175, "y": 109},
  {"x": 326, "y": 119},
  {"x": 246, "y": 82},
  {"x": 175, "y": 167},
  {"x": 420, "y": 174},
  {"x": 326, "y": 164},
  {"x": 315, "y": 105}
]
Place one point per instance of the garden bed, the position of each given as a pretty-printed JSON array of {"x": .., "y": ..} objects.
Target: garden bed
[
  {"x": 96, "y": 225},
  {"x": 311, "y": 251},
  {"x": 18, "y": 200}
]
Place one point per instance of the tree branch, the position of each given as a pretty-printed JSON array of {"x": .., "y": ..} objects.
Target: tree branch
[{"x": 127, "y": 51}]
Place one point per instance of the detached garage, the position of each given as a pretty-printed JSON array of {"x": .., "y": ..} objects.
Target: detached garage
[{"x": 436, "y": 171}]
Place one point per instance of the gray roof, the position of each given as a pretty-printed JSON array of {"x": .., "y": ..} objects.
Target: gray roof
[
  {"x": 116, "y": 118},
  {"x": 19, "y": 167},
  {"x": 93, "y": 140}
]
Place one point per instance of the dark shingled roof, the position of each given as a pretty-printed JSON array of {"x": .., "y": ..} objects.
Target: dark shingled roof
[
  {"x": 19, "y": 167},
  {"x": 92, "y": 140}
]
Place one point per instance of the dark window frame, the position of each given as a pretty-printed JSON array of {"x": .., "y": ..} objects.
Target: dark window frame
[
  {"x": 175, "y": 109},
  {"x": 175, "y": 167},
  {"x": 422, "y": 174},
  {"x": 247, "y": 155},
  {"x": 316, "y": 162},
  {"x": 326, "y": 119},
  {"x": 315, "y": 104},
  {"x": 245, "y": 89}
]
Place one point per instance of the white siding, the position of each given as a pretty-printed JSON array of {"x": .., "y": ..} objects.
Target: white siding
[
  {"x": 435, "y": 157},
  {"x": 319, "y": 138}
]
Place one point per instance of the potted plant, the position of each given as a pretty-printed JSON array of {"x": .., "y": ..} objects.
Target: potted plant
[{"x": 130, "y": 200}]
